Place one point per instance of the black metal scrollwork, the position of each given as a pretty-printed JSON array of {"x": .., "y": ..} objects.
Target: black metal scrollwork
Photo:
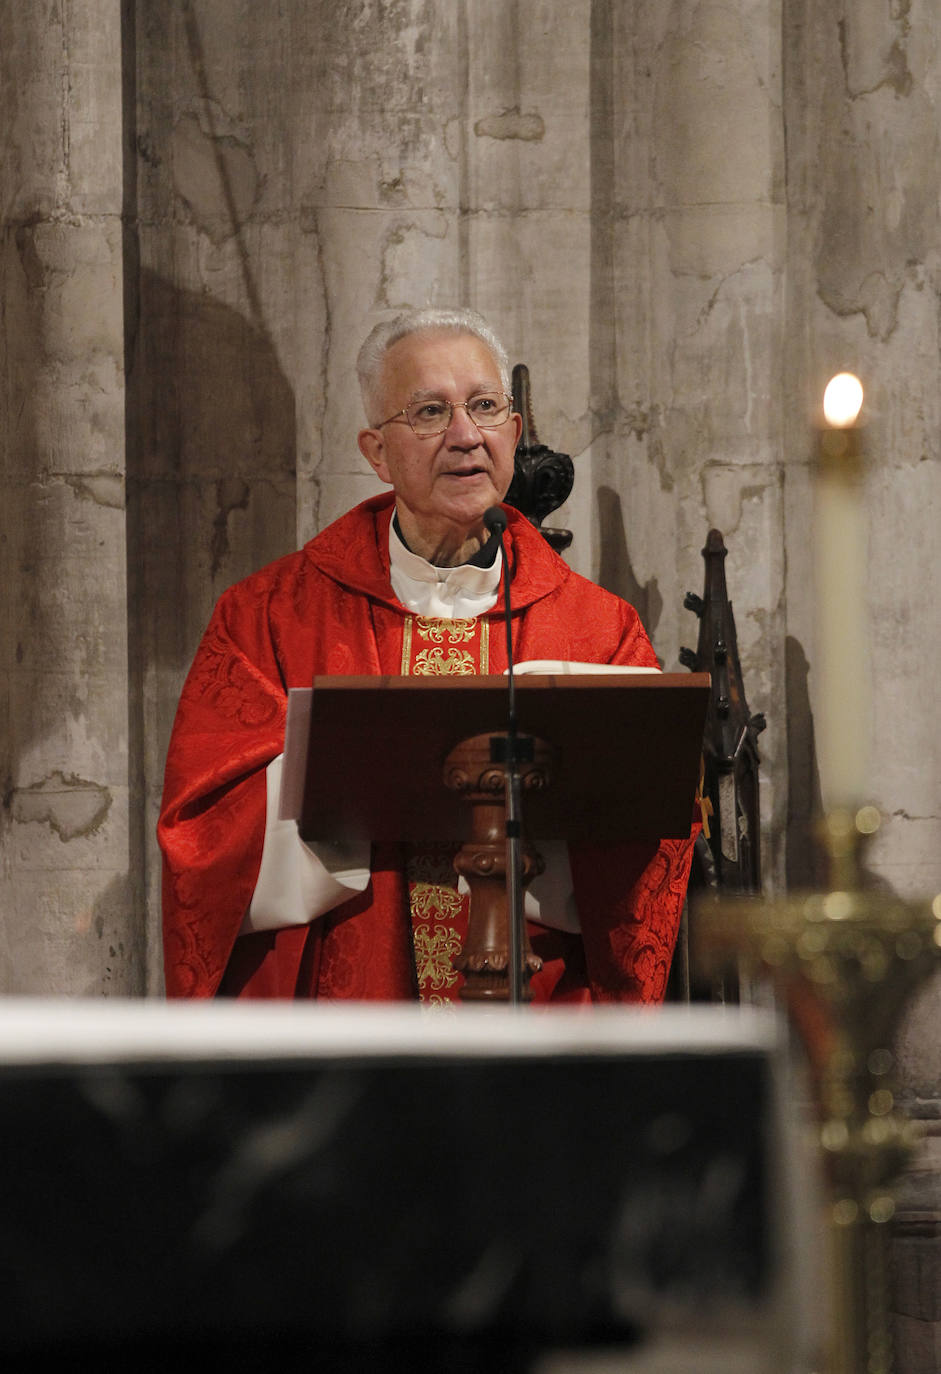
[{"x": 543, "y": 479}]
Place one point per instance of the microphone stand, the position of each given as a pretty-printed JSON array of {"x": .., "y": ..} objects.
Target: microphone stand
[{"x": 496, "y": 522}]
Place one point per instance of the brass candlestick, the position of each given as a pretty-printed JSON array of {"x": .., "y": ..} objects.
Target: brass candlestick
[{"x": 845, "y": 963}]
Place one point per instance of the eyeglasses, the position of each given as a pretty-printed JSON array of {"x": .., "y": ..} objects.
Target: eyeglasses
[{"x": 488, "y": 409}]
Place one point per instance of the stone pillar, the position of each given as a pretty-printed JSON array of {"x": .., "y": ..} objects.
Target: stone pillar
[
  {"x": 71, "y": 921},
  {"x": 687, "y": 333}
]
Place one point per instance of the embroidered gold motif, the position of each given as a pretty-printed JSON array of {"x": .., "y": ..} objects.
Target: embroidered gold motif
[
  {"x": 433, "y": 663},
  {"x": 457, "y": 631},
  {"x": 434, "y": 907},
  {"x": 438, "y": 911},
  {"x": 435, "y": 948},
  {"x": 431, "y": 900}
]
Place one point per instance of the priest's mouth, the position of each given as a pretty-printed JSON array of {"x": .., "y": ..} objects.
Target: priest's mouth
[{"x": 466, "y": 472}]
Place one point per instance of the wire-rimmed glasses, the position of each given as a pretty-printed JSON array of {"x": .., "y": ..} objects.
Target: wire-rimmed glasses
[{"x": 488, "y": 410}]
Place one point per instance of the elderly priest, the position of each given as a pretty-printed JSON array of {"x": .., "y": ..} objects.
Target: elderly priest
[{"x": 405, "y": 583}]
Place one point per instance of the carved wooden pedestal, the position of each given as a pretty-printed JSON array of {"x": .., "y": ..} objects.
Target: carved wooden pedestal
[{"x": 470, "y": 770}]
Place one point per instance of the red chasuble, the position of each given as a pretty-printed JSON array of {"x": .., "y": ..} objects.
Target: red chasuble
[{"x": 330, "y": 609}]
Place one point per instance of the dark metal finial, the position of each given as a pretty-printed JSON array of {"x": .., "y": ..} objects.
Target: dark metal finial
[{"x": 543, "y": 479}]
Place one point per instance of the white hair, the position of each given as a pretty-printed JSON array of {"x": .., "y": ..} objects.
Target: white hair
[{"x": 426, "y": 320}]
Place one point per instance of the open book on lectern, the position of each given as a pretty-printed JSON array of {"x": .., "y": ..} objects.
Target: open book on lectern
[{"x": 364, "y": 756}]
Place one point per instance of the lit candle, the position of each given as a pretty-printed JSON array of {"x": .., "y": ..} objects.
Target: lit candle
[{"x": 840, "y": 539}]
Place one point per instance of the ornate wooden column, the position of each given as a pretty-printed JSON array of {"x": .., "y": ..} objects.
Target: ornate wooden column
[{"x": 470, "y": 769}]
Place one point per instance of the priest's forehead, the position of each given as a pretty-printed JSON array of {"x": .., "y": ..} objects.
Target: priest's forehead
[{"x": 442, "y": 364}]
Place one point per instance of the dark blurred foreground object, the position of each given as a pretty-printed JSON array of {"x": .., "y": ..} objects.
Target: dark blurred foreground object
[
  {"x": 543, "y": 479},
  {"x": 322, "y": 1188}
]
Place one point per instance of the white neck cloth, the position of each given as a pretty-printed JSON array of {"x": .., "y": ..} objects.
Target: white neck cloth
[{"x": 443, "y": 593}]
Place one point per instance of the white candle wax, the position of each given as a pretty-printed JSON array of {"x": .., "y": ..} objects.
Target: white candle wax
[{"x": 842, "y": 695}]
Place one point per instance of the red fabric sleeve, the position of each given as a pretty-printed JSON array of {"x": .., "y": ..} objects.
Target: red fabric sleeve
[
  {"x": 229, "y": 726},
  {"x": 630, "y": 899},
  {"x": 630, "y": 895}
]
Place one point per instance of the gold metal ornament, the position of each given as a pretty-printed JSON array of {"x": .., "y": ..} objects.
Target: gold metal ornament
[{"x": 845, "y": 963}]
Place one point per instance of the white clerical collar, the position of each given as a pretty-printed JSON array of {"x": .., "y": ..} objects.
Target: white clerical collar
[{"x": 444, "y": 593}]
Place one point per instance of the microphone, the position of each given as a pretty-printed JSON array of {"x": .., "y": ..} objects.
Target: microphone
[
  {"x": 495, "y": 519},
  {"x": 496, "y": 522}
]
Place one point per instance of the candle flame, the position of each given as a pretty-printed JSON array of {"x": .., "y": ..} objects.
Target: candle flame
[{"x": 842, "y": 400}]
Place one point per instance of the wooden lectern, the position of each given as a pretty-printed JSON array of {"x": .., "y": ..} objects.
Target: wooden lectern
[{"x": 615, "y": 757}]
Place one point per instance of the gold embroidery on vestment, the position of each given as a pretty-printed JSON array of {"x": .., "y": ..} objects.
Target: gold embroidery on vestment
[
  {"x": 438, "y": 662},
  {"x": 437, "y": 908},
  {"x": 433, "y": 663},
  {"x": 435, "y": 950},
  {"x": 435, "y": 900},
  {"x": 457, "y": 631}
]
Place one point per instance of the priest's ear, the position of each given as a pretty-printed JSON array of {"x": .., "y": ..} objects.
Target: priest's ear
[{"x": 373, "y": 448}]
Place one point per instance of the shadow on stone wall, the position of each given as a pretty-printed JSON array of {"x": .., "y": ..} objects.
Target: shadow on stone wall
[
  {"x": 211, "y": 462},
  {"x": 805, "y": 866},
  {"x": 211, "y": 496},
  {"x": 615, "y": 571}
]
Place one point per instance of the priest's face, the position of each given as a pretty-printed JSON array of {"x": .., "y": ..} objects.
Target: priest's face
[{"x": 444, "y": 482}]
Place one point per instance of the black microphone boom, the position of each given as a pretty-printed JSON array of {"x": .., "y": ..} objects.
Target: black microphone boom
[{"x": 496, "y": 522}]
